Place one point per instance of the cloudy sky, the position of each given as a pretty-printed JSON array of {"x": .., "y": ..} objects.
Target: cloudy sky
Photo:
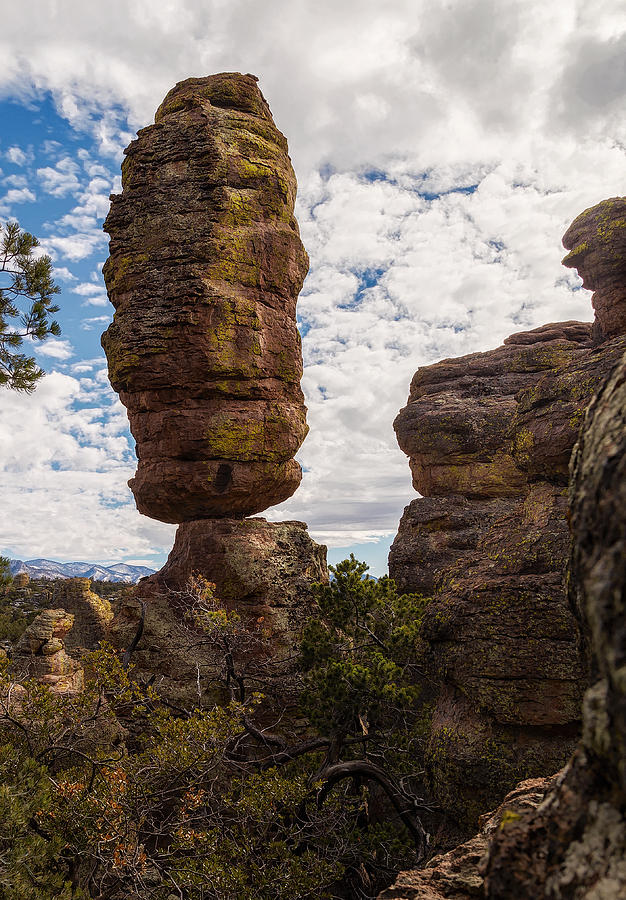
[{"x": 441, "y": 149}]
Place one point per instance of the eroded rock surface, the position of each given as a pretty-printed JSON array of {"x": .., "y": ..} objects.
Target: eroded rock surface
[
  {"x": 205, "y": 267},
  {"x": 596, "y": 240},
  {"x": 264, "y": 571},
  {"x": 489, "y": 438},
  {"x": 457, "y": 875},
  {"x": 40, "y": 652},
  {"x": 92, "y": 614},
  {"x": 574, "y": 847}
]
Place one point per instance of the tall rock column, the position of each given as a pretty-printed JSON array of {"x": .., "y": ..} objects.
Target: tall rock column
[
  {"x": 489, "y": 438},
  {"x": 204, "y": 271}
]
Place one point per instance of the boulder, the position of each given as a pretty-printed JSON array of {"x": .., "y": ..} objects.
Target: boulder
[{"x": 204, "y": 270}]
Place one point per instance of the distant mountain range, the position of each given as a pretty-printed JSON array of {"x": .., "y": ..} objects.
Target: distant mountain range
[{"x": 48, "y": 568}]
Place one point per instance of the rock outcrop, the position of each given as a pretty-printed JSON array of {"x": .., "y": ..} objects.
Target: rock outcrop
[
  {"x": 596, "y": 240},
  {"x": 574, "y": 846},
  {"x": 457, "y": 875},
  {"x": 205, "y": 267},
  {"x": 40, "y": 653},
  {"x": 262, "y": 570},
  {"x": 92, "y": 614},
  {"x": 489, "y": 438}
]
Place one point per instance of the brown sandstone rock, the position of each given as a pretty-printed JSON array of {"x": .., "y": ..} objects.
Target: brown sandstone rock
[
  {"x": 205, "y": 267},
  {"x": 456, "y": 875},
  {"x": 20, "y": 581},
  {"x": 92, "y": 614},
  {"x": 596, "y": 240},
  {"x": 574, "y": 846},
  {"x": 489, "y": 438},
  {"x": 460, "y": 427},
  {"x": 263, "y": 570},
  {"x": 489, "y": 435},
  {"x": 40, "y": 652}
]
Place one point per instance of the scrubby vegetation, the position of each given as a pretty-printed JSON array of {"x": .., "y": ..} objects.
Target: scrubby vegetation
[{"x": 113, "y": 793}]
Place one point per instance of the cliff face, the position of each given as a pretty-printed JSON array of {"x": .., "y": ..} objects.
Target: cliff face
[
  {"x": 574, "y": 846},
  {"x": 205, "y": 267},
  {"x": 489, "y": 438}
]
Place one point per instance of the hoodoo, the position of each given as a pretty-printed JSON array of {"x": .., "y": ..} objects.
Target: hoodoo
[{"x": 204, "y": 271}]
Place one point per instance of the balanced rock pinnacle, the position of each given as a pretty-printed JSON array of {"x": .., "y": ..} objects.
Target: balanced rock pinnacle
[
  {"x": 205, "y": 267},
  {"x": 596, "y": 240}
]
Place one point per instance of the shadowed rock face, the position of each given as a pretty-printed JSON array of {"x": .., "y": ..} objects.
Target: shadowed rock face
[
  {"x": 596, "y": 240},
  {"x": 40, "y": 652},
  {"x": 574, "y": 846},
  {"x": 457, "y": 875},
  {"x": 205, "y": 267},
  {"x": 265, "y": 571},
  {"x": 489, "y": 437},
  {"x": 92, "y": 614}
]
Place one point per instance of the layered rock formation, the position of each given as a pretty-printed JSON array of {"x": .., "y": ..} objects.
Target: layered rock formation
[
  {"x": 205, "y": 267},
  {"x": 91, "y": 613},
  {"x": 489, "y": 437},
  {"x": 40, "y": 653},
  {"x": 574, "y": 846}
]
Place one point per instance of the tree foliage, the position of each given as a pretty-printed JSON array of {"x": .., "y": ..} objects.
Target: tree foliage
[
  {"x": 5, "y": 572},
  {"x": 113, "y": 793},
  {"x": 26, "y": 305}
]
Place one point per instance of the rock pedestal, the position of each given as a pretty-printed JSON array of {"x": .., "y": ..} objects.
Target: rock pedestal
[
  {"x": 204, "y": 271},
  {"x": 264, "y": 571},
  {"x": 40, "y": 653},
  {"x": 92, "y": 614},
  {"x": 205, "y": 267},
  {"x": 489, "y": 438}
]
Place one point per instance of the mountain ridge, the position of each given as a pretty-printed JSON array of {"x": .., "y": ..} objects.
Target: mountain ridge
[{"x": 48, "y": 568}]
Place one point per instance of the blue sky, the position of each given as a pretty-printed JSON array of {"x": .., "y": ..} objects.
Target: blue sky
[{"x": 441, "y": 151}]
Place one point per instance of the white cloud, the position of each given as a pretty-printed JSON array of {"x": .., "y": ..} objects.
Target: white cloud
[
  {"x": 19, "y": 157},
  {"x": 18, "y": 195},
  {"x": 94, "y": 293},
  {"x": 62, "y": 273},
  {"x": 57, "y": 349},
  {"x": 61, "y": 179},
  {"x": 87, "y": 288},
  {"x": 94, "y": 322},
  {"x": 16, "y": 181},
  {"x": 75, "y": 246},
  {"x": 65, "y": 469},
  {"x": 512, "y": 110}
]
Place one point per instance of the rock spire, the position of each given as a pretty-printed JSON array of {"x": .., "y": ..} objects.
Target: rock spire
[{"x": 205, "y": 267}]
